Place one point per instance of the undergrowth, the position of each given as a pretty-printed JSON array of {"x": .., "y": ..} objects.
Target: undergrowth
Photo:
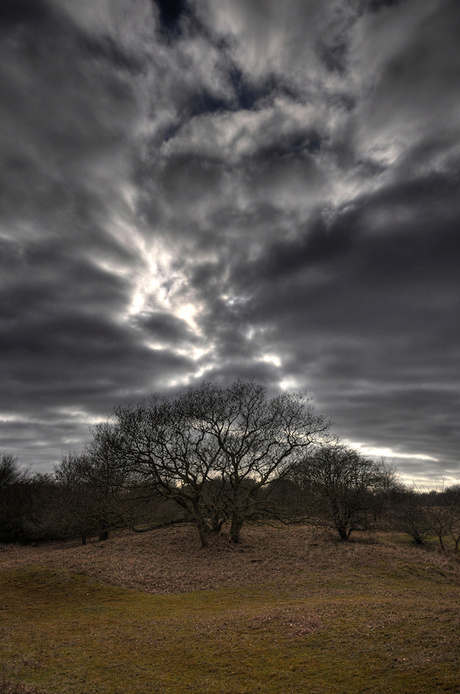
[{"x": 374, "y": 620}]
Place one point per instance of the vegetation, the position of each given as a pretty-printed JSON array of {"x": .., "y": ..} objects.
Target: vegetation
[
  {"x": 342, "y": 489},
  {"x": 271, "y": 601},
  {"x": 24, "y": 502},
  {"x": 281, "y": 613},
  {"x": 213, "y": 450},
  {"x": 220, "y": 458}
]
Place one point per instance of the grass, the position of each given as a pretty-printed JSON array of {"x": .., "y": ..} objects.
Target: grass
[{"x": 280, "y": 615}]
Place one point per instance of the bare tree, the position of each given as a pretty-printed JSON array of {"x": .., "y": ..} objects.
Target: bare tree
[
  {"x": 25, "y": 500},
  {"x": 167, "y": 455},
  {"x": 452, "y": 502},
  {"x": 74, "y": 515},
  {"x": 10, "y": 470},
  {"x": 93, "y": 485},
  {"x": 258, "y": 439},
  {"x": 212, "y": 449},
  {"x": 14, "y": 499},
  {"x": 408, "y": 512},
  {"x": 442, "y": 509},
  {"x": 437, "y": 513},
  {"x": 342, "y": 488}
]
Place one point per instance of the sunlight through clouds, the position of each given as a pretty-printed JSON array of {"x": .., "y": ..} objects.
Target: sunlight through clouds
[
  {"x": 389, "y": 453},
  {"x": 236, "y": 189}
]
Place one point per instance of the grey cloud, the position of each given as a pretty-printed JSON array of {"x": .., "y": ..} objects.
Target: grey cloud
[
  {"x": 316, "y": 245},
  {"x": 17, "y": 12},
  {"x": 403, "y": 104},
  {"x": 61, "y": 371},
  {"x": 341, "y": 278},
  {"x": 43, "y": 280},
  {"x": 372, "y": 326},
  {"x": 230, "y": 189},
  {"x": 166, "y": 328},
  {"x": 70, "y": 348},
  {"x": 226, "y": 372},
  {"x": 60, "y": 112},
  {"x": 376, "y": 5},
  {"x": 170, "y": 12},
  {"x": 261, "y": 34}
]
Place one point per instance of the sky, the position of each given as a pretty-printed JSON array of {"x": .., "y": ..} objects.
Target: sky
[{"x": 218, "y": 189}]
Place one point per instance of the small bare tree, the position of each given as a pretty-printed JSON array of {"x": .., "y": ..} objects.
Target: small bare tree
[
  {"x": 93, "y": 487},
  {"x": 452, "y": 502},
  {"x": 14, "y": 499},
  {"x": 408, "y": 513},
  {"x": 10, "y": 470},
  {"x": 342, "y": 488},
  {"x": 442, "y": 509}
]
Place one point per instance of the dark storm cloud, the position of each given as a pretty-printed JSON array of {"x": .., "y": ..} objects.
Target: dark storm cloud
[
  {"x": 170, "y": 12},
  {"x": 367, "y": 309},
  {"x": 164, "y": 327},
  {"x": 67, "y": 250},
  {"x": 376, "y": 5},
  {"x": 231, "y": 188},
  {"x": 14, "y": 12}
]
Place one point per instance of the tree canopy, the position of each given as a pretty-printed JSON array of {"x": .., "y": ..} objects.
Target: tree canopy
[{"x": 212, "y": 449}]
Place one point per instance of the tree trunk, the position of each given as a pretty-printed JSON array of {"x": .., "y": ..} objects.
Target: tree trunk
[
  {"x": 217, "y": 525},
  {"x": 235, "y": 528},
  {"x": 199, "y": 522},
  {"x": 343, "y": 533},
  {"x": 202, "y": 532}
]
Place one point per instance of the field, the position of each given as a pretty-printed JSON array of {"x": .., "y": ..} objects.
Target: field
[{"x": 283, "y": 613}]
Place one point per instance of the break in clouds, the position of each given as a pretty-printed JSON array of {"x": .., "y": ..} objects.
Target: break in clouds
[{"x": 214, "y": 189}]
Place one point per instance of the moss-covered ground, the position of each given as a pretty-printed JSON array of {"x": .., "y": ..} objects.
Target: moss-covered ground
[{"x": 386, "y": 624}]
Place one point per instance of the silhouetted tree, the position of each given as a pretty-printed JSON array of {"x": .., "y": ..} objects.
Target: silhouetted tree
[
  {"x": 212, "y": 449},
  {"x": 452, "y": 502},
  {"x": 442, "y": 510},
  {"x": 25, "y": 502},
  {"x": 14, "y": 499},
  {"x": 93, "y": 487},
  {"x": 409, "y": 515},
  {"x": 10, "y": 470},
  {"x": 342, "y": 488}
]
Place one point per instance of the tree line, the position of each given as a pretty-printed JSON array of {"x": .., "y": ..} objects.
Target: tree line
[{"x": 218, "y": 457}]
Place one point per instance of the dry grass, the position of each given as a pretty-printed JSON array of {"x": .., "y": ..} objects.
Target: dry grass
[
  {"x": 171, "y": 560},
  {"x": 282, "y": 613}
]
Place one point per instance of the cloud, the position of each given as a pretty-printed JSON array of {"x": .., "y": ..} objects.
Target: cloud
[
  {"x": 166, "y": 328},
  {"x": 231, "y": 189},
  {"x": 360, "y": 311}
]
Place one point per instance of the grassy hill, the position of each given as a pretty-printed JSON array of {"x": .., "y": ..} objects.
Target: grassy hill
[{"x": 282, "y": 613}]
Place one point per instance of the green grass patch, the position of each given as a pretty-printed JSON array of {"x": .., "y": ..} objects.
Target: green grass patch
[{"x": 388, "y": 629}]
